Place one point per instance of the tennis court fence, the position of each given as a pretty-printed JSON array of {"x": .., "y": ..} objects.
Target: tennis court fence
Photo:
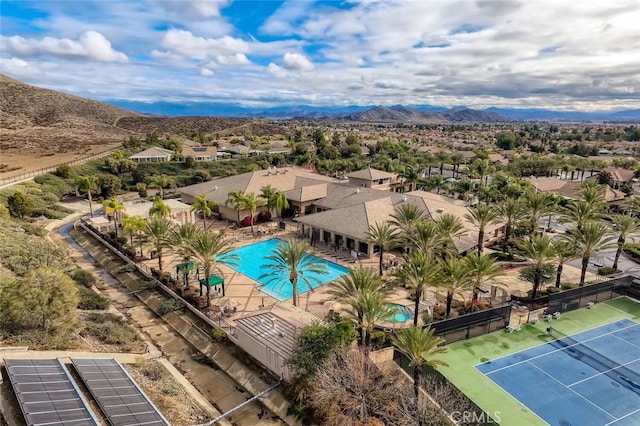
[
  {"x": 581, "y": 352},
  {"x": 581, "y": 297},
  {"x": 473, "y": 324}
]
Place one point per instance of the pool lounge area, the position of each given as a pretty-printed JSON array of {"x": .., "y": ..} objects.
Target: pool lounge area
[{"x": 252, "y": 261}]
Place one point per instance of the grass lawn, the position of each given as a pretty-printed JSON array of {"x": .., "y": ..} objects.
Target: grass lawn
[{"x": 464, "y": 355}]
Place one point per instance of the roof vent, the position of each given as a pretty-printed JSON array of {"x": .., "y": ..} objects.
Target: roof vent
[
  {"x": 281, "y": 335},
  {"x": 404, "y": 198},
  {"x": 357, "y": 190},
  {"x": 260, "y": 321},
  {"x": 215, "y": 188},
  {"x": 440, "y": 210}
]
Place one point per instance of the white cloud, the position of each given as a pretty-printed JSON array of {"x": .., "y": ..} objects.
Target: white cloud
[
  {"x": 296, "y": 62},
  {"x": 237, "y": 59},
  {"x": 194, "y": 9},
  {"x": 18, "y": 67},
  {"x": 206, "y": 71},
  {"x": 91, "y": 45},
  {"x": 186, "y": 44}
]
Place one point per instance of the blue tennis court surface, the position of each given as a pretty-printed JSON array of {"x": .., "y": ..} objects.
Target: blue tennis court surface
[{"x": 588, "y": 378}]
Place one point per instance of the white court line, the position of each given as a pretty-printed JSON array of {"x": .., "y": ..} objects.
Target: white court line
[
  {"x": 581, "y": 396},
  {"x": 559, "y": 349},
  {"x": 623, "y": 417},
  {"x": 603, "y": 372}
]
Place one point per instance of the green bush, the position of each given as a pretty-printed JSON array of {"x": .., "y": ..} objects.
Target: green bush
[
  {"x": 32, "y": 229},
  {"x": 110, "y": 329},
  {"x": 90, "y": 300},
  {"x": 501, "y": 256},
  {"x": 83, "y": 277},
  {"x": 218, "y": 334},
  {"x": 606, "y": 270},
  {"x": 170, "y": 306}
]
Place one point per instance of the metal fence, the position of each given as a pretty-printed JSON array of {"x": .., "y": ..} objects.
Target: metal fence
[
  {"x": 38, "y": 172},
  {"x": 473, "y": 325},
  {"x": 581, "y": 297}
]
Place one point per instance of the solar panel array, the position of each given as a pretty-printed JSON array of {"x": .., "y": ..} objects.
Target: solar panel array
[
  {"x": 117, "y": 394},
  {"x": 47, "y": 394}
]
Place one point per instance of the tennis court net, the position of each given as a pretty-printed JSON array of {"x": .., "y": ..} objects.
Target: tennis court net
[{"x": 579, "y": 351}]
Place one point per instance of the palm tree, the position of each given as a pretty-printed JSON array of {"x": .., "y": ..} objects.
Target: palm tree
[
  {"x": 427, "y": 237},
  {"x": 480, "y": 169},
  {"x": 535, "y": 206},
  {"x": 482, "y": 269},
  {"x": 251, "y": 203},
  {"x": 236, "y": 200},
  {"x": 292, "y": 260},
  {"x": 442, "y": 157},
  {"x": 383, "y": 235},
  {"x": 159, "y": 208},
  {"x": 201, "y": 203},
  {"x": 112, "y": 208},
  {"x": 450, "y": 228},
  {"x": 454, "y": 279},
  {"x": 157, "y": 231},
  {"x": 593, "y": 237},
  {"x": 482, "y": 216},
  {"x": 268, "y": 193},
  {"x": 410, "y": 175},
  {"x": 456, "y": 159},
  {"x": 420, "y": 345},
  {"x": 88, "y": 184},
  {"x": 511, "y": 212},
  {"x": 210, "y": 249},
  {"x": 280, "y": 203},
  {"x": 580, "y": 212},
  {"x": 539, "y": 251},
  {"x": 633, "y": 205},
  {"x": 355, "y": 290},
  {"x": 624, "y": 225},
  {"x": 418, "y": 272},
  {"x": 161, "y": 182},
  {"x": 181, "y": 243},
  {"x": 564, "y": 250},
  {"x": 133, "y": 225},
  {"x": 404, "y": 219},
  {"x": 436, "y": 182}
]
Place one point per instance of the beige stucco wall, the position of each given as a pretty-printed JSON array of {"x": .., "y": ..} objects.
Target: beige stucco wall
[{"x": 263, "y": 354}]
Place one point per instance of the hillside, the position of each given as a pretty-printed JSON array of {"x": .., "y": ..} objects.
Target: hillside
[{"x": 402, "y": 114}]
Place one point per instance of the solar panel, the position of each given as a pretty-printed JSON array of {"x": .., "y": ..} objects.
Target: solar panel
[
  {"x": 118, "y": 395},
  {"x": 47, "y": 394}
]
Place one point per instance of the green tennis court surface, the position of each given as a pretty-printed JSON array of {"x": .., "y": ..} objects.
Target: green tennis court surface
[{"x": 515, "y": 360}]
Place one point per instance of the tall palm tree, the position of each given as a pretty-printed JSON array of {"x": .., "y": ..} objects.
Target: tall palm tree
[
  {"x": 280, "y": 203},
  {"x": 511, "y": 212},
  {"x": 535, "y": 205},
  {"x": 593, "y": 193},
  {"x": 633, "y": 205},
  {"x": 157, "y": 231},
  {"x": 482, "y": 269},
  {"x": 181, "y": 244},
  {"x": 404, "y": 218},
  {"x": 113, "y": 208},
  {"x": 580, "y": 212},
  {"x": 418, "y": 272},
  {"x": 383, "y": 235},
  {"x": 427, "y": 237},
  {"x": 89, "y": 185},
  {"x": 410, "y": 175},
  {"x": 593, "y": 237},
  {"x": 480, "y": 169},
  {"x": 456, "y": 159},
  {"x": 293, "y": 261},
  {"x": 268, "y": 192},
  {"x": 236, "y": 200},
  {"x": 482, "y": 216},
  {"x": 420, "y": 346},
  {"x": 251, "y": 203},
  {"x": 436, "y": 182},
  {"x": 624, "y": 225},
  {"x": 564, "y": 251},
  {"x": 454, "y": 279},
  {"x": 159, "y": 208},
  {"x": 451, "y": 228},
  {"x": 161, "y": 182},
  {"x": 442, "y": 157},
  {"x": 539, "y": 251},
  {"x": 201, "y": 203},
  {"x": 210, "y": 249}
]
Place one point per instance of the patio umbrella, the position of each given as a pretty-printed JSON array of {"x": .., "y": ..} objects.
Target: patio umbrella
[
  {"x": 332, "y": 305},
  {"x": 226, "y": 302},
  {"x": 519, "y": 293}
]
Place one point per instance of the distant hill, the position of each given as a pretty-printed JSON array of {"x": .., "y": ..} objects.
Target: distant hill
[
  {"x": 549, "y": 115},
  {"x": 402, "y": 114}
]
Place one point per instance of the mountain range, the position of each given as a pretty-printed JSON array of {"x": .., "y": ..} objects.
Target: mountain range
[{"x": 373, "y": 113}]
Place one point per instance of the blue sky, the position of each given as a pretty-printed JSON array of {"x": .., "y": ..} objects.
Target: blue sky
[{"x": 556, "y": 54}]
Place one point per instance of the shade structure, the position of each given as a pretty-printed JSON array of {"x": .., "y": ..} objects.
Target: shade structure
[
  {"x": 214, "y": 280},
  {"x": 519, "y": 293},
  {"x": 226, "y": 302}
]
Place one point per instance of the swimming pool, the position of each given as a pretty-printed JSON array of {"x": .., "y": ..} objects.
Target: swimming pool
[
  {"x": 252, "y": 261},
  {"x": 402, "y": 313}
]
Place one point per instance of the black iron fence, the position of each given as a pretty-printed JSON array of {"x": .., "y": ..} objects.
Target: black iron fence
[
  {"x": 581, "y": 297},
  {"x": 473, "y": 324}
]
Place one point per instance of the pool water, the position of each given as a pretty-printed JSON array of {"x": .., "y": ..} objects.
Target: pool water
[
  {"x": 402, "y": 314},
  {"x": 252, "y": 261}
]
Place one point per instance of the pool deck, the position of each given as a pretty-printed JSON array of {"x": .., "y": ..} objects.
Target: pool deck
[
  {"x": 463, "y": 356},
  {"x": 245, "y": 290}
]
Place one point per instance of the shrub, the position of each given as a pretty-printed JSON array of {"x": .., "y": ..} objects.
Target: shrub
[
  {"x": 83, "y": 277},
  {"x": 218, "y": 334},
  {"x": 90, "y": 300},
  {"x": 606, "y": 270},
  {"x": 170, "y": 306},
  {"x": 129, "y": 267},
  {"x": 110, "y": 329},
  {"x": 20, "y": 205},
  {"x": 153, "y": 371}
]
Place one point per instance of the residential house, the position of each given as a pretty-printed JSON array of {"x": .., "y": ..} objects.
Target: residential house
[
  {"x": 153, "y": 155},
  {"x": 200, "y": 153},
  {"x": 571, "y": 189},
  {"x": 376, "y": 179}
]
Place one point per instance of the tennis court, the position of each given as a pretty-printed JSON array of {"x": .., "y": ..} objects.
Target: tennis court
[
  {"x": 588, "y": 378},
  {"x": 586, "y": 373}
]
